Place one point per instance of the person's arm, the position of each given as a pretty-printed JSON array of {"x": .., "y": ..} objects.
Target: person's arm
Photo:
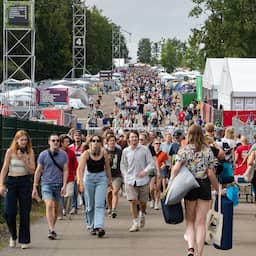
[
  {"x": 37, "y": 176},
  {"x": 4, "y": 171},
  {"x": 29, "y": 160},
  {"x": 251, "y": 159},
  {"x": 150, "y": 164},
  {"x": 65, "y": 179},
  {"x": 80, "y": 170},
  {"x": 107, "y": 166},
  {"x": 213, "y": 179},
  {"x": 175, "y": 169},
  {"x": 236, "y": 158},
  {"x": 123, "y": 163},
  {"x": 253, "y": 148}
]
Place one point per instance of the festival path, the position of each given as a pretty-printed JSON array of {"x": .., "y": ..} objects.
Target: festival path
[{"x": 156, "y": 239}]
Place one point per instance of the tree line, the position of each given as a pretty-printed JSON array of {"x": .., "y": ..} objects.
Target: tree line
[
  {"x": 229, "y": 30},
  {"x": 53, "y": 46}
]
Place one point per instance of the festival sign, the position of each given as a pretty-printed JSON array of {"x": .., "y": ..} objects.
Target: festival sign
[
  {"x": 18, "y": 15},
  {"x": 52, "y": 96}
]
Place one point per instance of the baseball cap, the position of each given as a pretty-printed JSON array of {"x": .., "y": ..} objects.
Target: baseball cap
[{"x": 178, "y": 133}]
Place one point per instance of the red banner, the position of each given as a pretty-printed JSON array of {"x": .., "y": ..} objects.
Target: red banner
[
  {"x": 249, "y": 115},
  {"x": 54, "y": 114}
]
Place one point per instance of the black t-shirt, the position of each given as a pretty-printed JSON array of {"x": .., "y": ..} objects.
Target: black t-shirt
[
  {"x": 115, "y": 159},
  {"x": 141, "y": 108},
  {"x": 152, "y": 150}
]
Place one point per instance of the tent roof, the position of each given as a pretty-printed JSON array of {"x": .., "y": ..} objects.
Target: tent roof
[
  {"x": 212, "y": 72},
  {"x": 242, "y": 73}
]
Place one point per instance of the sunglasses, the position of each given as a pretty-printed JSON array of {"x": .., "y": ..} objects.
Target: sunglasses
[
  {"x": 55, "y": 140},
  {"x": 157, "y": 143},
  {"x": 96, "y": 141}
]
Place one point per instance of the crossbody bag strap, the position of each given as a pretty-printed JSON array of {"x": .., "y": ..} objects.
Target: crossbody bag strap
[{"x": 54, "y": 161}]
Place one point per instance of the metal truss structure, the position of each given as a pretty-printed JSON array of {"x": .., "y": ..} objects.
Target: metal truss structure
[
  {"x": 19, "y": 47},
  {"x": 116, "y": 42},
  {"x": 79, "y": 40},
  {"x": 18, "y": 50}
]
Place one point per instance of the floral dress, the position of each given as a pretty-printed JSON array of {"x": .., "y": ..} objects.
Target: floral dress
[{"x": 197, "y": 162}]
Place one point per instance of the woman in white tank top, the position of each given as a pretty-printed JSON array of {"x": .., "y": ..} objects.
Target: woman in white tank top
[{"x": 19, "y": 165}]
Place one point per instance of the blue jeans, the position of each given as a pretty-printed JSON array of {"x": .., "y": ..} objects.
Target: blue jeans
[
  {"x": 95, "y": 185},
  {"x": 19, "y": 190},
  {"x": 74, "y": 199}
]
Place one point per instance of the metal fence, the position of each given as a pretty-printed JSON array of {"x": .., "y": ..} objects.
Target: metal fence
[
  {"x": 38, "y": 132},
  {"x": 245, "y": 129}
]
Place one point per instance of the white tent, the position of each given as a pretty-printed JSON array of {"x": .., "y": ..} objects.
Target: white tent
[
  {"x": 211, "y": 77},
  {"x": 76, "y": 103},
  {"x": 75, "y": 93},
  {"x": 60, "y": 82},
  {"x": 237, "y": 84},
  {"x": 61, "y": 86}
]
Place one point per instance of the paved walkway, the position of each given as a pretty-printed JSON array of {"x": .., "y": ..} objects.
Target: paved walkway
[{"x": 156, "y": 238}]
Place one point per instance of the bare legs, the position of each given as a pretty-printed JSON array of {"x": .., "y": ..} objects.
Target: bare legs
[
  {"x": 52, "y": 209},
  {"x": 196, "y": 212}
]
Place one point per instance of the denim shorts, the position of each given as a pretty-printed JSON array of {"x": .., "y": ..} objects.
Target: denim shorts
[{"x": 51, "y": 191}]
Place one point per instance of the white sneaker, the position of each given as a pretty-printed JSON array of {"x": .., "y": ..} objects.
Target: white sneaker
[
  {"x": 134, "y": 228},
  {"x": 157, "y": 206},
  {"x": 151, "y": 204},
  {"x": 12, "y": 243},
  {"x": 142, "y": 221},
  {"x": 24, "y": 246}
]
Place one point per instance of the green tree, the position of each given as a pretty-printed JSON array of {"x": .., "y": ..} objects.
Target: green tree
[
  {"x": 53, "y": 21},
  {"x": 194, "y": 55},
  {"x": 168, "y": 56},
  {"x": 229, "y": 30},
  {"x": 144, "y": 51},
  {"x": 99, "y": 36},
  {"x": 172, "y": 54}
]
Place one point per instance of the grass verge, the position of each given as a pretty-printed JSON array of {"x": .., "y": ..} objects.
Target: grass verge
[{"x": 37, "y": 212}]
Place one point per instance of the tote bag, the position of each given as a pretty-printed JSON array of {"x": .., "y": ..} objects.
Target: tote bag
[
  {"x": 180, "y": 186},
  {"x": 173, "y": 214},
  {"x": 214, "y": 223}
]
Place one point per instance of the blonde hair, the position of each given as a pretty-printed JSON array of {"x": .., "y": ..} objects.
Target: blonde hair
[
  {"x": 229, "y": 133},
  {"x": 14, "y": 145},
  {"x": 209, "y": 127},
  {"x": 195, "y": 136}
]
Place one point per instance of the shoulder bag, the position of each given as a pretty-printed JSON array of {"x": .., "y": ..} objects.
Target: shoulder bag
[
  {"x": 180, "y": 186},
  {"x": 54, "y": 161}
]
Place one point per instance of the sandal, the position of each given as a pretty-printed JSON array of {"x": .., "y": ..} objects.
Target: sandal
[{"x": 191, "y": 251}]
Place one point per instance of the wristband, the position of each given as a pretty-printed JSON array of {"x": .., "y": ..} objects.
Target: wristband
[{"x": 35, "y": 184}]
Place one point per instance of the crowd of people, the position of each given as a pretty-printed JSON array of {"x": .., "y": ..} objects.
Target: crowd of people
[{"x": 129, "y": 156}]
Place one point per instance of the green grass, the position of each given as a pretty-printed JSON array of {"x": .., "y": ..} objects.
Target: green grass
[{"x": 37, "y": 212}]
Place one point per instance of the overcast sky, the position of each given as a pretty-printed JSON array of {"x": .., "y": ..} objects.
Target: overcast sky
[{"x": 153, "y": 19}]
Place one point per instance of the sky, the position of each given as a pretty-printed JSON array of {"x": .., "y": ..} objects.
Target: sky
[{"x": 153, "y": 19}]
